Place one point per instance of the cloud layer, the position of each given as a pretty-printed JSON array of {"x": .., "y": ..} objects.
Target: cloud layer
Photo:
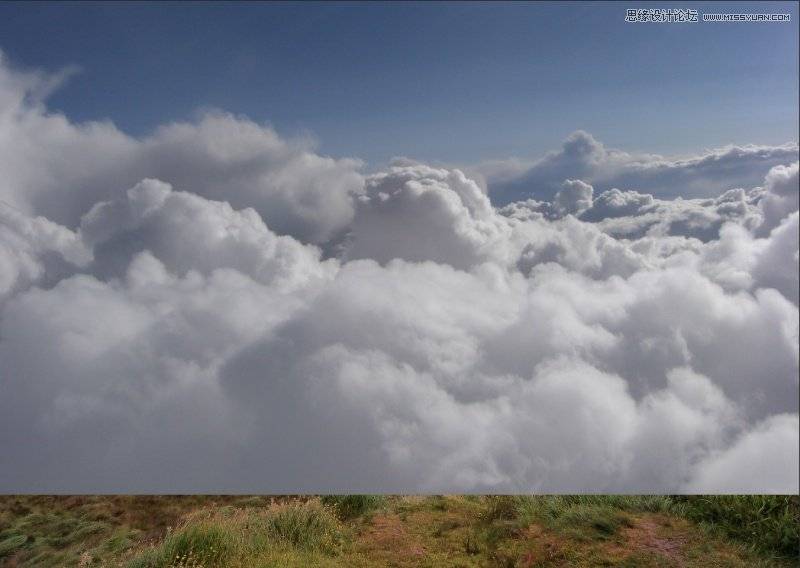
[
  {"x": 584, "y": 157},
  {"x": 214, "y": 308}
]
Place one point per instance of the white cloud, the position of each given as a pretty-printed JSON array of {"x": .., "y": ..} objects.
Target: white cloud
[
  {"x": 583, "y": 157},
  {"x": 33, "y": 250},
  {"x": 781, "y": 195},
  {"x": 631, "y": 214},
  {"x": 418, "y": 213},
  {"x": 187, "y": 232},
  {"x": 166, "y": 324},
  {"x": 762, "y": 461},
  {"x": 58, "y": 169},
  {"x": 776, "y": 265},
  {"x": 573, "y": 198}
]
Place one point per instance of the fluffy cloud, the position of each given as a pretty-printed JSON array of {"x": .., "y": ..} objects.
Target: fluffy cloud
[
  {"x": 420, "y": 213},
  {"x": 58, "y": 169},
  {"x": 189, "y": 233},
  {"x": 584, "y": 157},
  {"x": 34, "y": 250},
  {"x": 632, "y": 214},
  {"x": 573, "y": 198},
  {"x": 781, "y": 191},
  {"x": 214, "y": 309},
  {"x": 759, "y": 462}
]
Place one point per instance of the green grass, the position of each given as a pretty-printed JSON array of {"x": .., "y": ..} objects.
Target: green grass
[
  {"x": 54, "y": 535},
  {"x": 768, "y": 523},
  {"x": 45, "y": 531},
  {"x": 244, "y": 537},
  {"x": 206, "y": 544},
  {"x": 12, "y": 543},
  {"x": 592, "y": 521},
  {"x": 351, "y": 506},
  {"x": 309, "y": 525},
  {"x": 551, "y": 507},
  {"x": 361, "y": 531}
]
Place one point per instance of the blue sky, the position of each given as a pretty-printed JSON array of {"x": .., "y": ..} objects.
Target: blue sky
[{"x": 442, "y": 82}]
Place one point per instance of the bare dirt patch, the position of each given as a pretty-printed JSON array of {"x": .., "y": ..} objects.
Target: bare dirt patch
[
  {"x": 648, "y": 535},
  {"x": 542, "y": 547},
  {"x": 387, "y": 536}
]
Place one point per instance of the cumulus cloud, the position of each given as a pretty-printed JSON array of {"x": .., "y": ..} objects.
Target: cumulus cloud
[
  {"x": 586, "y": 158},
  {"x": 781, "y": 191},
  {"x": 574, "y": 197},
  {"x": 212, "y": 308},
  {"x": 632, "y": 214},
  {"x": 759, "y": 462},
  {"x": 35, "y": 250},
  {"x": 189, "y": 233},
  {"x": 58, "y": 169},
  {"x": 417, "y": 213}
]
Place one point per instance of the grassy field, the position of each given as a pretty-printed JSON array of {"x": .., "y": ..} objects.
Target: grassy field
[{"x": 433, "y": 531}]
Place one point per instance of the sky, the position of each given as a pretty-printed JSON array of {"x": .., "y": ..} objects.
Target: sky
[
  {"x": 398, "y": 248},
  {"x": 449, "y": 82}
]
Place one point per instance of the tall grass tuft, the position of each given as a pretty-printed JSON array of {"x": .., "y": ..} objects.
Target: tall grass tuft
[
  {"x": 231, "y": 537},
  {"x": 352, "y": 506},
  {"x": 499, "y": 507},
  {"x": 204, "y": 543},
  {"x": 309, "y": 525}
]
